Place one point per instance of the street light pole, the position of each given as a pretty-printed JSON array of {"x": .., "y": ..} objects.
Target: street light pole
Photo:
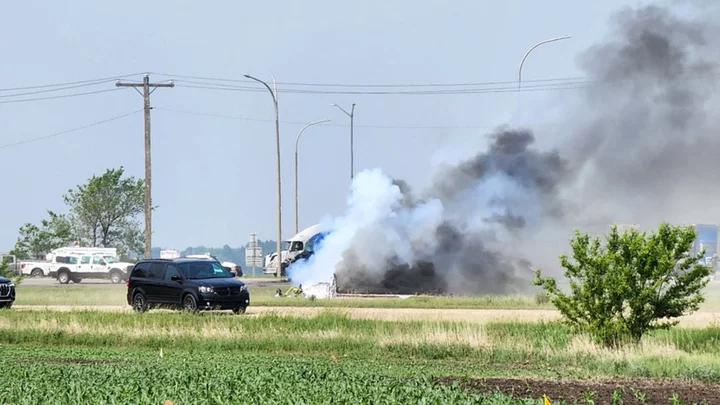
[
  {"x": 296, "y": 169},
  {"x": 531, "y": 49},
  {"x": 350, "y": 114},
  {"x": 278, "y": 271}
]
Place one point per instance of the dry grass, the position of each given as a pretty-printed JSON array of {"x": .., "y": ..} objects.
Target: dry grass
[{"x": 477, "y": 316}]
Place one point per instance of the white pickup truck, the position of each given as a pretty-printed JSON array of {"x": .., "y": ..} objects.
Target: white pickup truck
[
  {"x": 41, "y": 268},
  {"x": 75, "y": 268}
]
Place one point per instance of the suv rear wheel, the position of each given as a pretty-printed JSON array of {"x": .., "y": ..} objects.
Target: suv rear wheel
[
  {"x": 139, "y": 303},
  {"x": 239, "y": 310}
]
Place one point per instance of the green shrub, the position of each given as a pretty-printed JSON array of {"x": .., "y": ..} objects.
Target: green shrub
[{"x": 630, "y": 285}]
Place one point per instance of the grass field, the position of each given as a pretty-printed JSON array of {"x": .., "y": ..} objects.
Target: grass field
[
  {"x": 262, "y": 295},
  {"x": 334, "y": 356},
  {"x": 113, "y": 294},
  {"x": 290, "y": 350}
]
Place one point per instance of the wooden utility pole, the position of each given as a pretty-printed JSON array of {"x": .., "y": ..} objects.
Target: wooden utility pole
[{"x": 146, "y": 85}]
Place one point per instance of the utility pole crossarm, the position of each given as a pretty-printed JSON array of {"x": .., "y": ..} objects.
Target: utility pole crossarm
[
  {"x": 146, "y": 85},
  {"x": 121, "y": 84}
]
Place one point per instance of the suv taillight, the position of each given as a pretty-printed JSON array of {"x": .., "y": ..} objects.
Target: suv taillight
[{"x": 127, "y": 283}]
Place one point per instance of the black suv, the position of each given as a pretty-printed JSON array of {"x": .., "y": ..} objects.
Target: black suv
[
  {"x": 7, "y": 292},
  {"x": 190, "y": 284}
]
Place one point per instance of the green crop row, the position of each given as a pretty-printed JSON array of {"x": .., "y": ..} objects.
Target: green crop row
[
  {"x": 542, "y": 346},
  {"x": 75, "y": 377}
]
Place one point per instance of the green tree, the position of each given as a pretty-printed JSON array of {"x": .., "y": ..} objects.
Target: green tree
[
  {"x": 632, "y": 284},
  {"x": 7, "y": 273},
  {"x": 104, "y": 211},
  {"x": 35, "y": 241}
]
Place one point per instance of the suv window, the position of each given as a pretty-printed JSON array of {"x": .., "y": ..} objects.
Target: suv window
[
  {"x": 157, "y": 270},
  {"x": 71, "y": 260},
  {"x": 140, "y": 270},
  {"x": 172, "y": 270},
  {"x": 202, "y": 270},
  {"x": 97, "y": 260},
  {"x": 85, "y": 260}
]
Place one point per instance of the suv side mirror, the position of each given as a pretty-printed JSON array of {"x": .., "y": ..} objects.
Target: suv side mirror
[
  {"x": 176, "y": 278},
  {"x": 234, "y": 273}
]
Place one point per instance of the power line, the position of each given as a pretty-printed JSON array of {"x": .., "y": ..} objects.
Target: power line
[
  {"x": 69, "y": 130},
  {"x": 563, "y": 83},
  {"x": 252, "y": 88},
  {"x": 470, "y": 84},
  {"x": 54, "y": 97},
  {"x": 234, "y": 117},
  {"x": 55, "y": 89},
  {"x": 569, "y": 86},
  {"x": 103, "y": 79}
]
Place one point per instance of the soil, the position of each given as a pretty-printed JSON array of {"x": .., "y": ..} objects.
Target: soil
[{"x": 656, "y": 391}]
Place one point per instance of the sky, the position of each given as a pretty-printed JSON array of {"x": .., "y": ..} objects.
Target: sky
[{"x": 213, "y": 149}]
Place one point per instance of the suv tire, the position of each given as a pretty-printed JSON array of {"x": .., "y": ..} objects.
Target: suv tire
[
  {"x": 139, "y": 303},
  {"x": 239, "y": 310},
  {"x": 189, "y": 303}
]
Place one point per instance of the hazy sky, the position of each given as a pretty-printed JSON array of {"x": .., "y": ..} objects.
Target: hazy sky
[{"x": 214, "y": 178}]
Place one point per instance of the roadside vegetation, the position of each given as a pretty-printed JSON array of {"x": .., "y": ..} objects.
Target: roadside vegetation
[{"x": 371, "y": 358}]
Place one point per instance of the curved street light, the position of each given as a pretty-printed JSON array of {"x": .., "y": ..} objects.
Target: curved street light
[
  {"x": 278, "y": 271},
  {"x": 350, "y": 114},
  {"x": 531, "y": 49},
  {"x": 297, "y": 139}
]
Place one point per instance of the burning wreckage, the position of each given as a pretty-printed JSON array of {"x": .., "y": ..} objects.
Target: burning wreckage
[{"x": 455, "y": 238}]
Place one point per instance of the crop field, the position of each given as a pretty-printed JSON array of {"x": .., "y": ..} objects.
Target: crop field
[
  {"x": 90, "y": 356},
  {"x": 81, "y": 343}
]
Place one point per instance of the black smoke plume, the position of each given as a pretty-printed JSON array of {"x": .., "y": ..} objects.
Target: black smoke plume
[
  {"x": 461, "y": 260},
  {"x": 639, "y": 144}
]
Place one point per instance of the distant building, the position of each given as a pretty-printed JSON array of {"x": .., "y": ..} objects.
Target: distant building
[{"x": 169, "y": 254}]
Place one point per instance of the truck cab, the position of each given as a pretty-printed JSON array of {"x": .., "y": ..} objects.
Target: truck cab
[{"x": 295, "y": 246}]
